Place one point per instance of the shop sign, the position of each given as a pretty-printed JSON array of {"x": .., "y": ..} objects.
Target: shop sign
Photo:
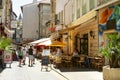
[{"x": 7, "y": 58}]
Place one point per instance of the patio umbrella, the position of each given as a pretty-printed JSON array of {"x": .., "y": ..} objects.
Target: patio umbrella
[{"x": 57, "y": 43}]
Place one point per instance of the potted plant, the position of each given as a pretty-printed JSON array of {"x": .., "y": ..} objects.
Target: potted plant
[
  {"x": 5, "y": 44},
  {"x": 111, "y": 52}
]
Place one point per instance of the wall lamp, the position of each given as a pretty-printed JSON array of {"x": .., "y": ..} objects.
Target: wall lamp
[{"x": 92, "y": 34}]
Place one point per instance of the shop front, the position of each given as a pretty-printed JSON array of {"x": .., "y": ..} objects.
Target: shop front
[{"x": 84, "y": 36}]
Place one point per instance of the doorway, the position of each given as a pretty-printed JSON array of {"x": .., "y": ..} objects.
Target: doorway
[{"x": 84, "y": 44}]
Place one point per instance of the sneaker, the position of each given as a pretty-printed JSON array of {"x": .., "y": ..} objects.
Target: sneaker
[
  {"x": 31, "y": 65},
  {"x": 20, "y": 66},
  {"x": 23, "y": 63}
]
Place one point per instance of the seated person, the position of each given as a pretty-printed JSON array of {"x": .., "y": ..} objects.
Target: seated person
[
  {"x": 75, "y": 56},
  {"x": 75, "y": 53}
]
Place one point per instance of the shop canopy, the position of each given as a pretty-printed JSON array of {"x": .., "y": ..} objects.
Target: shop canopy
[
  {"x": 39, "y": 41},
  {"x": 52, "y": 43}
]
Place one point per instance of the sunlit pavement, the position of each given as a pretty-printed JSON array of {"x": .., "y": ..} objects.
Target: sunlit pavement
[
  {"x": 81, "y": 75},
  {"x": 29, "y": 73},
  {"x": 35, "y": 73}
]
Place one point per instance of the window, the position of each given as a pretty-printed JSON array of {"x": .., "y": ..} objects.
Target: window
[
  {"x": 0, "y": 2},
  {"x": 84, "y": 6},
  {"x": 61, "y": 16},
  {"x": 78, "y": 8},
  {"x": 92, "y": 4},
  {"x": 73, "y": 12},
  {"x": 101, "y": 2}
]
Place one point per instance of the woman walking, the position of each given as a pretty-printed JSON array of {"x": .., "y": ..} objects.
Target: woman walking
[{"x": 20, "y": 56}]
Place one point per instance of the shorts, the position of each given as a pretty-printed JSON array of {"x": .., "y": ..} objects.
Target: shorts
[
  {"x": 31, "y": 57},
  {"x": 20, "y": 57}
]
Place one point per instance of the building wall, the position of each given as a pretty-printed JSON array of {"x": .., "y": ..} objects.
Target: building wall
[
  {"x": 108, "y": 22},
  {"x": 63, "y": 11},
  {"x": 8, "y": 13},
  {"x": 85, "y": 28},
  {"x": 60, "y": 5},
  {"x": 30, "y": 21},
  {"x": 44, "y": 17},
  {"x": 77, "y": 16}
]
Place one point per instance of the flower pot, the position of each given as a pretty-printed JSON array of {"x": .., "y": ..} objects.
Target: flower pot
[{"x": 111, "y": 73}]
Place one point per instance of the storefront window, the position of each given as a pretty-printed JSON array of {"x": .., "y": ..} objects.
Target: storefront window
[
  {"x": 92, "y": 4},
  {"x": 84, "y": 6},
  {"x": 101, "y": 2}
]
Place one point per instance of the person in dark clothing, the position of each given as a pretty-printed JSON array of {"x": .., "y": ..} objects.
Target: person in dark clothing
[
  {"x": 14, "y": 56},
  {"x": 30, "y": 53},
  {"x": 20, "y": 55}
]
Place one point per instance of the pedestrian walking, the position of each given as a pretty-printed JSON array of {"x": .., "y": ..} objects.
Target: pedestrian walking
[
  {"x": 20, "y": 56},
  {"x": 58, "y": 53},
  {"x": 14, "y": 56},
  {"x": 24, "y": 50},
  {"x": 34, "y": 54},
  {"x": 30, "y": 53}
]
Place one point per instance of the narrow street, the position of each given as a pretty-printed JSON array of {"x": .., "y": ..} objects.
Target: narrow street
[
  {"x": 35, "y": 73},
  {"x": 28, "y": 73}
]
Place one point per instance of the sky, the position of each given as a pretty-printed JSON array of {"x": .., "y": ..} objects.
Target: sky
[{"x": 18, "y": 3}]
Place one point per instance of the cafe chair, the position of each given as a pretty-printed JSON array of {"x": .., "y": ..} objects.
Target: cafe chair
[
  {"x": 68, "y": 61},
  {"x": 57, "y": 62},
  {"x": 99, "y": 64},
  {"x": 81, "y": 61}
]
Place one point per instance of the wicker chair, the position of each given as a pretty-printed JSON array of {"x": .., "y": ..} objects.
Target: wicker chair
[{"x": 81, "y": 61}]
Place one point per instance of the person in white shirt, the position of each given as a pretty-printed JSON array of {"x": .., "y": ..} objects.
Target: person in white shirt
[
  {"x": 24, "y": 50},
  {"x": 58, "y": 53},
  {"x": 34, "y": 54},
  {"x": 75, "y": 53}
]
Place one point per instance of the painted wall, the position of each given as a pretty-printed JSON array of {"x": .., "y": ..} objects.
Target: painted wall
[{"x": 106, "y": 14}]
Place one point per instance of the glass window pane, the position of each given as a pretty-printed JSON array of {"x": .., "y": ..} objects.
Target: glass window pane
[
  {"x": 73, "y": 11},
  {"x": 78, "y": 8},
  {"x": 92, "y": 4},
  {"x": 84, "y": 6}
]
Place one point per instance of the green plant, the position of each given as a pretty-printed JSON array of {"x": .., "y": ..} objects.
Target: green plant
[
  {"x": 112, "y": 49},
  {"x": 5, "y": 44}
]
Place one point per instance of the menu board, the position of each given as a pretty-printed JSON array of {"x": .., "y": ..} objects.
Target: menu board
[
  {"x": 7, "y": 57},
  {"x": 46, "y": 52}
]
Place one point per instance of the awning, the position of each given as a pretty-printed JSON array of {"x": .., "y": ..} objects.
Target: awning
[
  {"x": 38, "y": 41},
  {"x": 52, "y": 43}
]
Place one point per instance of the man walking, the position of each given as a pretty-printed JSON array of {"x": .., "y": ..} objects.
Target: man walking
[
  {"x": 24, "y": 50},
  {"x": 30, "y": 53}
]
